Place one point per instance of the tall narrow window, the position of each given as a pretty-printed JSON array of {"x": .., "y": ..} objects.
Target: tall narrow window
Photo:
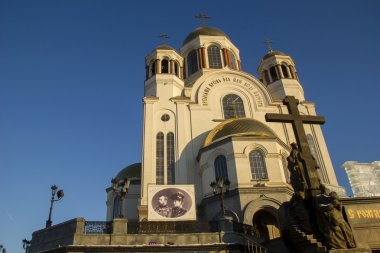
[
  {"x": 285, "y": 167},
  {"x": 164, "y": 66},
  {"x": 285, "y": 71},
  {"x": 214, "y": 59},
  {"x": 176, "y": 69},
  {"x": 273, "y": 74},
  {"x": 233, "y": 107},
  {"x": 258, "y": 168},
  {"x": 313, "y": 150},
  {"x": 170, "y": 157},
  {"x": 116, "y": 207},
  {"x": 220, "y": 166},
  {"x": 160, "y": 158},
  {"x": 153, "y": 68},
  {"x": 192, "y": 62},
  {"x": 232, "y": 60}
]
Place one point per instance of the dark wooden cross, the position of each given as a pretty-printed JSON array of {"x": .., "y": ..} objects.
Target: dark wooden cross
[
  {"x": 268, "y": 42},
  {"x": 164, "y": 38},
  {"x": 297, "y": 121},
  {"x": 202, "y": 17}
]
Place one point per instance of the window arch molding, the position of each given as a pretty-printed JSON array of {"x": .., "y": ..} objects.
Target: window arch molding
[
  {"x": 214, "y": 57},
  {"x": 258, "y": 165},
  {"x": 192, "y": 62},
  {"x": 254, "y": 146},
  {"x": 239, "y": 106}
]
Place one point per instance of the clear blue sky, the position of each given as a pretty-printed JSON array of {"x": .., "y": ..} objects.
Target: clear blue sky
[{"x": 71, "y": 84}]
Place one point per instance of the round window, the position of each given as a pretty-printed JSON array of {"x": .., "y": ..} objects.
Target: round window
[{"x": 165, "y": 117}]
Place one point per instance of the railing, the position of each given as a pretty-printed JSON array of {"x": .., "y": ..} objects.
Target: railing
[
  {"x": 98, "y": 227},
  {"x": 254, "y": 247},
  {"x": 245, "y": 229},
  {"x": 156, "y": 227}
]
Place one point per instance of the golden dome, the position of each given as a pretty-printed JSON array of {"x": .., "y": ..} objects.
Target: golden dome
[
  {"x": 204, "y": 30},
  {"x": 238, "y": 127}
]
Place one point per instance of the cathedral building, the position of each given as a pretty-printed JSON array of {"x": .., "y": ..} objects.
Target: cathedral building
[
  {"x": 213, "y": 175},
  {"x": 204, "y": 119}
]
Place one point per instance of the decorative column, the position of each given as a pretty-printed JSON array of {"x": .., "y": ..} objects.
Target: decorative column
[
  {"x": 225, "y": 57},
  {"x": 280, "y": 71},
  {"x": 158, "y": 66},
  {"x": 200, "y": 57},
  {"x": 203, "y": 50},
  {"x": 171, "y": 69},
  {"x": 239, "y": 64}
]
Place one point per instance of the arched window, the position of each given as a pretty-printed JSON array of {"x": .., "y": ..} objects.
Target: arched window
[
  {"x": 266, "y": 77},
  {"x": 192, "y": 62},
  {"x": 214, "y": 59},
  {"x": 273, "y": 74},
  {"x": 160, "y": 158},
  {"x": 176, "y": 69},
  {"x": 170, "y": 157},
  {"x": 285, "y": 71},
  {"x": 164, "y": 66},
  {"x": 153, "y": 68},
  {"x": 232, "y": 60},
  {"x": 258, "y": 168},
  {"x": 116, "y": 207},
  {"x": 220, "y": 166},
  {"x": 233, "y": 107}
]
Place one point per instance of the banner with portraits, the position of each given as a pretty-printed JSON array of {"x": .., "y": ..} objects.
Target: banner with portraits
[{"x": 171, "y": 202}]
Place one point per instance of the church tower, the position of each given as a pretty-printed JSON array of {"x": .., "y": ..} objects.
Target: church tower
[{"x": 278, "y": 73}]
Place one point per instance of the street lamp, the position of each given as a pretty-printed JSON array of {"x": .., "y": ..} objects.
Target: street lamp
[
  {"x": 219, "y": 187},
  {"x": 120, "y": 187},
  {"x": 60, "y": 195},
  {"x": 26, "y": 244}
]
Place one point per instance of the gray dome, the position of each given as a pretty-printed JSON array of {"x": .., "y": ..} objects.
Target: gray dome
[
  {"x": 131, "y": 171},
  {"x": 209, "y": 31}
]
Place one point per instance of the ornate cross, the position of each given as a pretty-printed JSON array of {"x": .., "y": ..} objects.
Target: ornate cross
[
  {"x": 297, "y": 121},
  {"x": 164, "y": 38},
  {"x": 202, "y": 17},
  {"x": 268, "y": 42}
]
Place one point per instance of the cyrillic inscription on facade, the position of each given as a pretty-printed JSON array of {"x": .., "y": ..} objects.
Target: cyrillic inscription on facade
[{"x": 231, "y": 80}]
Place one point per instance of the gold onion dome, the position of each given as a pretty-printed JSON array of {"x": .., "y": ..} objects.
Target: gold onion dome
[
  {"x": 204, "y": 30},
  {"x": 238, "y": 127},
  {"x": 132, "y": 171}
]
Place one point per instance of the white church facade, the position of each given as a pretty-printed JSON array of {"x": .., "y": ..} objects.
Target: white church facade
[{"x": 204, "y": 119}]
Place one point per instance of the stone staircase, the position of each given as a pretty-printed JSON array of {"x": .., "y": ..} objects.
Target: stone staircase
[{"x": 302, "y": 242}]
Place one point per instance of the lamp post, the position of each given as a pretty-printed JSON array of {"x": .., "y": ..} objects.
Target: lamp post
[
  {"x": 26, "y": 244},
  {"x": 121, "y": 187},
  {"x": 219, "y": 187},
  {"x": 60, "y": 195}
]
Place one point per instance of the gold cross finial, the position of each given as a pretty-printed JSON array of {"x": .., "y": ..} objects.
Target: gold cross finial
[
  {"x": 202, "y": 17},
  {"x": 268, "y": 42},
  {"x": 164, "y": 37}
]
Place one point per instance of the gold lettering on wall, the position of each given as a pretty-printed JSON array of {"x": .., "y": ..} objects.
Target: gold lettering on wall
[{"x": 232, "y": 80}]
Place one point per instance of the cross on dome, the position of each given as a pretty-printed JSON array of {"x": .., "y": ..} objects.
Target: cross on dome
[
  {"x": 202, "y": 17},
  {"x": 268, "y": 42},
  {"x": 164, "y": 38}
]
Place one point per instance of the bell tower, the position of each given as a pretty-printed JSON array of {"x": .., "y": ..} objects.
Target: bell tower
[
  {"x": 277, "y": 71},
  {"x": 164, "y": 73}
]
